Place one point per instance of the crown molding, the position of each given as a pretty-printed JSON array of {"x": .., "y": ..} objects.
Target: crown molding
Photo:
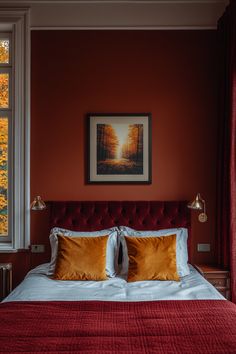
[
  {"x": 66, "y": 2},
  {"x": 122, "y": 14}
]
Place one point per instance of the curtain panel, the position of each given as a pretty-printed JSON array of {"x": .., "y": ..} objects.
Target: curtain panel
[{"x": 226, "y": 193}]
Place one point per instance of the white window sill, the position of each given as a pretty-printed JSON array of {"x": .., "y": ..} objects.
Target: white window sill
[{"x": 7, "y": 248}]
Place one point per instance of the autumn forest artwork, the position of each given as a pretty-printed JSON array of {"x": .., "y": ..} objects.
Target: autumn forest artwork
[
  {"x": 119, "y": 149},
  {"x": 4, "y": 105}
]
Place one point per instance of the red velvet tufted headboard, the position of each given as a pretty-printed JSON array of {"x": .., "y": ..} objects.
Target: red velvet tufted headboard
[{"x": 140, "y": 215}]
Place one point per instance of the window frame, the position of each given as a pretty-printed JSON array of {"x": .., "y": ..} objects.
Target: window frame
[{"x": 16, "y": 22}]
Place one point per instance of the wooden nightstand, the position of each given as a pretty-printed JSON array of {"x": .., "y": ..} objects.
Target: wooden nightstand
[
  {"x": 5, "y": 279},
  {"x": 217, "y": 276}
]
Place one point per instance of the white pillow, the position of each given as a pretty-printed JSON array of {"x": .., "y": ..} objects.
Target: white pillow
[
  {"x": 111, "y": 252},
  {"x": 181, "y": 246}
]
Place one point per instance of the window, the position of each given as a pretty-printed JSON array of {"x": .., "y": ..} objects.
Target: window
[
  {"x": 14, "y": 129},
  {"x": 5, "y": 117}
]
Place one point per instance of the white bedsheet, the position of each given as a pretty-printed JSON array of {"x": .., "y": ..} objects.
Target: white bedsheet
[{"x": 37, "y": 286}]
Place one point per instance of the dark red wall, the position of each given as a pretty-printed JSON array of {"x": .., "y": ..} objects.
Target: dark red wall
[{"x": 171, "y": 74}]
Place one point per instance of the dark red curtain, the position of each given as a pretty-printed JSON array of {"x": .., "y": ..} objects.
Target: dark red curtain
[{"x": 226, "y": 193}]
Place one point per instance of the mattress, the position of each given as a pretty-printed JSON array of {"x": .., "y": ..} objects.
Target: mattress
[{"x": 37, "y": 286}]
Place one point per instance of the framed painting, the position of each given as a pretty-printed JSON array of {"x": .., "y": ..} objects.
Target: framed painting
[{"x": 119, "y": 148}]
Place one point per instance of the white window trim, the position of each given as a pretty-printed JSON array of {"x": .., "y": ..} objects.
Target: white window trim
[{"x": 19, "y": 194}]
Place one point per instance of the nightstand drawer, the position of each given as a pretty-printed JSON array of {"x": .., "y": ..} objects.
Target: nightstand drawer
[
  {"x": 218, "y": 282},
  {"x": 218, "y": 277}
]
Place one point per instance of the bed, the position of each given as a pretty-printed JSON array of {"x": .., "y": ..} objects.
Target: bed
[{"x": 44, "y": 315}]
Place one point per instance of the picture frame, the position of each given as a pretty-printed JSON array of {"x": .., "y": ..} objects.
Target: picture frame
[{"x": 119, "y": 148}]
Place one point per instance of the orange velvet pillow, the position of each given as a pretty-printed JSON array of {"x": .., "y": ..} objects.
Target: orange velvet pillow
[
  {"x": 152, "y": 258},
  {"x": 81, "y": 258}
]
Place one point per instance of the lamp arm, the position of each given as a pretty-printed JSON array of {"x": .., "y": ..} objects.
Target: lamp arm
[{"x": 204, "y": 206}]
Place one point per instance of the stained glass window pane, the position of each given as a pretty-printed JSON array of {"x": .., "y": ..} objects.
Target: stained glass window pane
[
  {"x": 4, "y": 51},
  {"x": 3, "y": 176},
  {"x": 4, "y": 90}
]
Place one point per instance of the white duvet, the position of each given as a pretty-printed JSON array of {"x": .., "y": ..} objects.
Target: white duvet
[{"x": 37, "y": 286}]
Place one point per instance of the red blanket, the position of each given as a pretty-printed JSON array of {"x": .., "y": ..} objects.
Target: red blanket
[{"x": 117, "y": 327}]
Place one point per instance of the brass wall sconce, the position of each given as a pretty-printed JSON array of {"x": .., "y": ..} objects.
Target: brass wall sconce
[
  {"x": 38, "y": 204},
  {"x": 199, "y": 204}
]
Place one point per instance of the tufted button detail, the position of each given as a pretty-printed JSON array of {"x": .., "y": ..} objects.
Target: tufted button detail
[{"x": 140, "y": 215}]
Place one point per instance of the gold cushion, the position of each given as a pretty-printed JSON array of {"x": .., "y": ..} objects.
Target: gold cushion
[
  {"x": 152, "y": 258},
  {"x": 81, "y": 258}
]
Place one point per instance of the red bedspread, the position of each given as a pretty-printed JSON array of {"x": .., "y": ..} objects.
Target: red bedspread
[{"x": 117, "y": 327}]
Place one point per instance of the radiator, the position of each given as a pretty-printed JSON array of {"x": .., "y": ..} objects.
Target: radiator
[{"x": 5, "y": 279}]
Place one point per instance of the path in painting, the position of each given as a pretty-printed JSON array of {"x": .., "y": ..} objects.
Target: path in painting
[{"x": 121, "y": 166}]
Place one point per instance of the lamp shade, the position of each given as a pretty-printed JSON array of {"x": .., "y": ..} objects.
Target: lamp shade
[
  {"x": 197, "y": 203},
  {"x": 38, "y": 204}
]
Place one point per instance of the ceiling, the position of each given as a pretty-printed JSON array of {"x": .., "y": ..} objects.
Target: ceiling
[{"x": 121, "y": 14}]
